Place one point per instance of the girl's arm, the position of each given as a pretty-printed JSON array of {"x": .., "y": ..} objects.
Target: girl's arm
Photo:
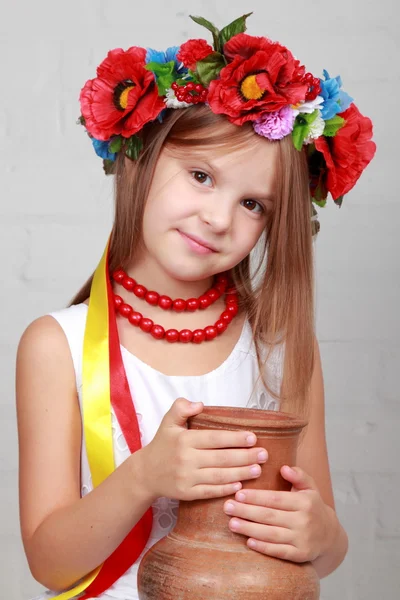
[
  {"x": 312, "y": 457},
  {"x": 65, "y": 536}
]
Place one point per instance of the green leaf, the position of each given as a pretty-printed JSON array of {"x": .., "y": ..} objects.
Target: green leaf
[
  {"x": 333, "y": 125},
  {"x": 164, "y": 73},
  {"x": 133, "y": 147},
  {"x": 210, "y": 67},
  {"x": 115, "y": 144},
  {"x": 302, "y": 128},
  {"x": 320, "y": 202},
  {"x": 339, "y": 201},
  {"x": 108, "y": 166},
  {"x": 237, "y": 26},
  {"x": 81, "y": 120},
  {"x": 192, "y": 77},
  {"x": 210, "y": 27}
]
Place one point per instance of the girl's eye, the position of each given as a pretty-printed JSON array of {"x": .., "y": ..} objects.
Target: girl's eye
[
  {"x": 253, "y": 206},
  {"x": 200, "y": 176}
]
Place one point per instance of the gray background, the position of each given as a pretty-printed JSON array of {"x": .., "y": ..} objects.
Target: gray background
[{"x": 55, "y": 218}]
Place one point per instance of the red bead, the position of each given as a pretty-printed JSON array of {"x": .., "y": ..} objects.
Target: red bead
[
  {"x": 196, "y": 99},
  {"x": 231, "y": 299},
  {"x": 125, "y": 310},
  {"x": 117, "y": 301},
  {"x": 220, "y": 287},
  {"x": 204, "y": 301},
  {"x": 220, "y": 326},
  {"x": 118, "y": 276},
  {"x": 185, "y": 336},
  {"x": 198, "y": 336},
  {"x": 146, "y": 324},
  {"x": 135, "y": 318},
  {"x": 190, "y": 86},
  {"x": 179, "y": 305},
  {"x": 232, "y": 309},
  {"x": 211, "y": 332},
  {"x": 174, "y": 85},
  {"x": 157, "y": 332},
  {"x": 172, "y": 335},
  {"x": 140, "y": 291},
  {"x": 213, "y": 294},
  {"x": 192, "y": 304},
  {"x": 128, "y": 283},
  {"x": 165, "y": 302},
  {"x": 188, "y": 98},
  {"x": 226, "y": 316},
  {"x": 152, "y": 298},
  {"x": 222, "y": 279},
  {"x": 198, "y": 87}
]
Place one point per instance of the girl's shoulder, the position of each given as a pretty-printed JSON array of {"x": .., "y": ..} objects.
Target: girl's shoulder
[{"x": 58, "y": 334}]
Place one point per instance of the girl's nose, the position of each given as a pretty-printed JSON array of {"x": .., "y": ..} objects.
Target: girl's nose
[{"x": 218, "y": 217}]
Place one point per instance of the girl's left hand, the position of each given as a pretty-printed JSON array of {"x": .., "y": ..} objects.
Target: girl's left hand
[{"x": 292, "y": 526}]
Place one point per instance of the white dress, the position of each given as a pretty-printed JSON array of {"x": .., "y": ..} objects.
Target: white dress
[{"x": 230, "y": 384}]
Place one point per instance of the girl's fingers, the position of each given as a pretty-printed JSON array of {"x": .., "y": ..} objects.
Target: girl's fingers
[
  {"x": 202, "y": 439},
  {"x": 260, "y": 514},
  {"x": 215, "y": 491},
  {"x": 265, "y": 533},
  {"x": 223, "y": 476},
  {"x": 230, "y": 458}
]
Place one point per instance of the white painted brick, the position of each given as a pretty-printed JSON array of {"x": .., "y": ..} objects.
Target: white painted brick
[
  {"x": 351, "y": 372},
  {"x": 388, "y": 515},
  {"x": 7, "y": 375},
  {"x": 389, "y": 376},
  {"x": 62, "y": 251},
  {"x": 358, "y": 308},
  {"x": 9, "y": 515},
  {"x": 14, "y": 246},
  {"x": 359, "y": 249},
  {"x": 8, "y": 438},
  {"x": 361, "y": 439}
]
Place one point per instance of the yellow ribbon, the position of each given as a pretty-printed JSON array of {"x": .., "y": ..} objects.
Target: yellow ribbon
[{"x": 96, "y": 401}]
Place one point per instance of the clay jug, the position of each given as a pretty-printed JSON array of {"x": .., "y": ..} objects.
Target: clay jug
[{"x": 201, "y": 558}]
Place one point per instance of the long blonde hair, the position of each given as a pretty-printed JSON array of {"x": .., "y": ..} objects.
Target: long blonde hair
[{"x": 280, "y": 307}]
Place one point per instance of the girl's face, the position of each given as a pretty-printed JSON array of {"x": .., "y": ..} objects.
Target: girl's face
[{"x": 205, "y": 212}]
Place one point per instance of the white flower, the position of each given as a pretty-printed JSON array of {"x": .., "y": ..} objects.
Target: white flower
[
  {"x": 317, "y": 129},
  {"x": 172, "y": 102},
  {"x": 308, "y": 107}
]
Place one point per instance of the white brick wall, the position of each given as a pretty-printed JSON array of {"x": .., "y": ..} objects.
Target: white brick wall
[{"x": 55, "y": 212}]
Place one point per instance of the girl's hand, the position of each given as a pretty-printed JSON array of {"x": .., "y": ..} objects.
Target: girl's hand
[
  {"x": 189, "y": 464},
  {"x": 292, "y": 526}
]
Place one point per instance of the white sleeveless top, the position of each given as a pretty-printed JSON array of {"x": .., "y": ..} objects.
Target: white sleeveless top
[{"x": 234, "y": 383}]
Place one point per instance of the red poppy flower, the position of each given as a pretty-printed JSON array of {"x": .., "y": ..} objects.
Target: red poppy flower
[
  {"x": 123, "y": 96},
  {"x": 192, "y": 51},
  {"x": 259, "y": 79},
  {"x": 348, "y": 152}
]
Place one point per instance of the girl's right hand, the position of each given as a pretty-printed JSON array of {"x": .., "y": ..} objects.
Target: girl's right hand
[{"x": 190, "y": 464}]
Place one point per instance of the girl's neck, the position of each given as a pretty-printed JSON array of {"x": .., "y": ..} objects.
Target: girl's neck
[{"x": 160, "y": 281}]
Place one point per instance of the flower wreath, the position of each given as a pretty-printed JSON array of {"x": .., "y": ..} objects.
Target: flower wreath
[{"x": 244, "y": 77}]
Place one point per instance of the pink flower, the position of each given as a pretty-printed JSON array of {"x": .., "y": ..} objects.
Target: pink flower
[{"x": 275, "y": 125}]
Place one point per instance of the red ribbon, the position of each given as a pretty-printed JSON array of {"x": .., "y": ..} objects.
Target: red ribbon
[{"x": 133, "y": 545}]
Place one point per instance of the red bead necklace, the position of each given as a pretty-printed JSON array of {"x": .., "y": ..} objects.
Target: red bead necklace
[
  {"x": 165, "y": 302},
  {"x": 173, "y": 335}
]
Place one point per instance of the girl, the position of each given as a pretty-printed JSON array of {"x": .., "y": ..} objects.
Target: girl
[{"x": 177, "y": 315}]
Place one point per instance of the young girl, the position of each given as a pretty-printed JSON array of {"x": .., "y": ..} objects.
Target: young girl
[{"x": 178, "y": 316}]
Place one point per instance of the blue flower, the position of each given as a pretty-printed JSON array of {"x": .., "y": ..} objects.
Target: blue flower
[
  {"x": 165, "y": 57},
  {"x": 335, "y": 99},
  {"x": 101, "y": 149}
]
